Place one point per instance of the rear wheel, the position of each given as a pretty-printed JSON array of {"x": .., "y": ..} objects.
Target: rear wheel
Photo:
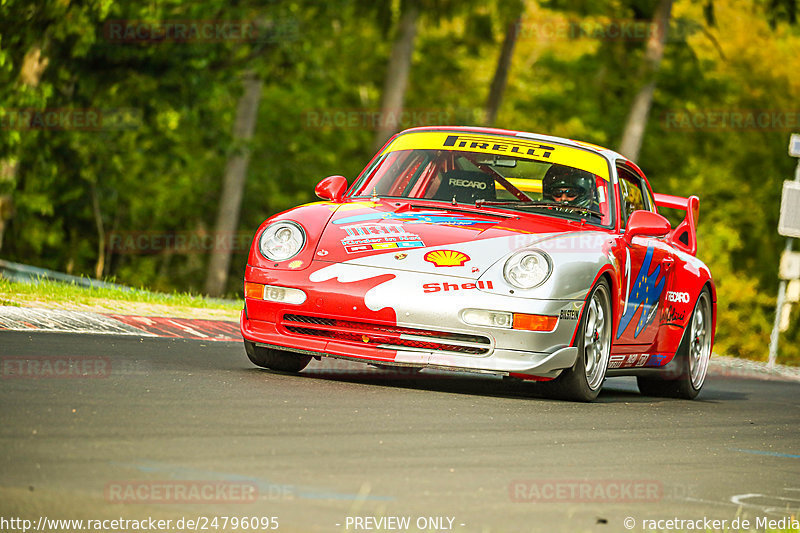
[
  {"x": 275, "y": 359},
  {"x": 583, "y": 381},
  {"x": 692, "y": 357}
]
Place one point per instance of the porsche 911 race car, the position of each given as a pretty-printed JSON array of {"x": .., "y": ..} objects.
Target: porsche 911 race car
[{"x": 490, "y": 251}]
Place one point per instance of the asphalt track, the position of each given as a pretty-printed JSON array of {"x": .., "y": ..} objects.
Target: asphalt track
[{"x": 342, "y": 440}]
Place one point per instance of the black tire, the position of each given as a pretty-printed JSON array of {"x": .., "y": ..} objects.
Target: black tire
[
  {"x": 691, "y": 359},
  {"x": 275, "y": 359},
  {"x": 582, "y": 382}
]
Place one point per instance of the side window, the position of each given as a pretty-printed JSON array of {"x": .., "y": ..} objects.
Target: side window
[{"x": 632, "y": 194}]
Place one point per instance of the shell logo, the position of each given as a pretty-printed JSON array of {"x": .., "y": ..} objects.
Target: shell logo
[{"x": 446, "y": 258}]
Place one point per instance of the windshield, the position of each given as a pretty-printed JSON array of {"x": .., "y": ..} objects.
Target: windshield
[{"x": 486, "y": 179}]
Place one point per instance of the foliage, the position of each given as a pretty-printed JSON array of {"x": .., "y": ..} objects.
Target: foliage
[{"x": 157, "y": 168}]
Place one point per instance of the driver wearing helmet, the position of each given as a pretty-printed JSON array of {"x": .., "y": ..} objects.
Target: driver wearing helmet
[{"x": 568, "y": 186}]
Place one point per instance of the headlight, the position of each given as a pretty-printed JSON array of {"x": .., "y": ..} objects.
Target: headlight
[
  {"x": 281, "y": 241},
  {"x": 527, "y": 269}
]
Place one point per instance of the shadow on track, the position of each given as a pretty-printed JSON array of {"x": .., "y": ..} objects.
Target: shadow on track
[{"x": 615, "y": 390}]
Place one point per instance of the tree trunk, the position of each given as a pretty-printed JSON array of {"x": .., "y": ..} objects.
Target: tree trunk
[
  {"x": 33, "y": 66},
  {"x": 501, "y": 72},
  {"x": 101, "y": 234},
  {"x": 394, "y": 89},
  {"x": 233, "y": 187},
  {"x": 6, "y": 213},
  {"x": 633, "y": 135}
]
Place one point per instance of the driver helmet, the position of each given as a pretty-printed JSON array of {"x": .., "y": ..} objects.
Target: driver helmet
[{"x": 568, "y": 185}]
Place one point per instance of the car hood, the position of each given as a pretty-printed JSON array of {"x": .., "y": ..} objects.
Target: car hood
[{"x": 423, "y": 238}]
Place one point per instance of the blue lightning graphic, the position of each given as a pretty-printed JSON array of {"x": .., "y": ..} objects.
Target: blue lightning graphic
[
  {"x": 412, "y": 218},
  {"x": 646, "y": 293}
]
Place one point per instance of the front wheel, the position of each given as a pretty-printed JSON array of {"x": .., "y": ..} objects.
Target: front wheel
[
  {"x": 583, "y": 381},
  {"x": 692, "y": 357},
  {"x": 275, "y": 359}
]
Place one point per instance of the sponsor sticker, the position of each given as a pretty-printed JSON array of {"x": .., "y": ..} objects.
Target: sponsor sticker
[
  {"x": 628, "y": 360},
  {"x": 503, "y": 145},
  {"x": 568, "y": 314},
  {"x": 678, "y": 297},
  {"x": 659, "y": 359},
  {"x": 424, "y": 217},
  {"x": 366, "y": 237},
  {"x": 470, "y": 184},
  {"x": 671, "y": 316},
  {"x": 446, "y": 287},
  {"x": 446, "y": 258}
]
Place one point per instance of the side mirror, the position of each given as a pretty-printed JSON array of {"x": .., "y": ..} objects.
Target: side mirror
[
  {"x": 331, "y": 188},
  {"x": 647, "y": 224}
]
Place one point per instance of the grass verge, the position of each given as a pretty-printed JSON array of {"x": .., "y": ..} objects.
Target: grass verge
[{"x": 47, "y": 294}]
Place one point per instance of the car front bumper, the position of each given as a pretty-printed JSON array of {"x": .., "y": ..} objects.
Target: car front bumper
[{"x": 393, "y": 320}]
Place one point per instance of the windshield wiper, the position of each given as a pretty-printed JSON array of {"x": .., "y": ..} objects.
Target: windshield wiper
[{"x": 549, "y": 205}]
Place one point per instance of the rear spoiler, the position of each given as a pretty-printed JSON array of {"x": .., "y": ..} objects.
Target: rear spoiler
[{"x": 684, "y": 236}]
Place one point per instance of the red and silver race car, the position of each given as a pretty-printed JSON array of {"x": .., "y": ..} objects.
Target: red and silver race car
[{"x": 489, "y": 251}]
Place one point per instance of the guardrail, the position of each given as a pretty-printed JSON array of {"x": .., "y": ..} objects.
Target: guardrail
[{"x": 31, "y": 274}]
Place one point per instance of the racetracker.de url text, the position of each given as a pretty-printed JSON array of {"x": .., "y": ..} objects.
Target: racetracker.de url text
[{"x": 194, "y": 523}]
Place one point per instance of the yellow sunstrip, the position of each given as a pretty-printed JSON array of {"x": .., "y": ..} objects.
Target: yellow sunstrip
[{"x": 498, "y": 145}]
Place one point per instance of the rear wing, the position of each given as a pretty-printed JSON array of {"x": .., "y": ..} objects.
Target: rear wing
[{"x": 684, "y": 236}]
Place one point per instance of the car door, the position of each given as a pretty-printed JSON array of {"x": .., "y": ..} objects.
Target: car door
[{"x": 647, "y": 270}]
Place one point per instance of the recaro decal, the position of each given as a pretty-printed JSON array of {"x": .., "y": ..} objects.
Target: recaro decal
[
  {"x": 469, "y": 184},
  {"x": 678, "y": 297}
]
